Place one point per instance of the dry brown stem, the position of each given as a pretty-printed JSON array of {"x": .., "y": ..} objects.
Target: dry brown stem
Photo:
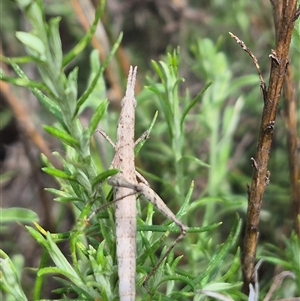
[
  {"x": 285, "y": 12},
  {"x": 255, "y": 61},
  {"x": 290, "y": 114},
  {"x": 85, "y": 11}
]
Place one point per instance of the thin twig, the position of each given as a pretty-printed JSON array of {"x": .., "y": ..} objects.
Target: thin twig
[{"x": 255, "y": 61}]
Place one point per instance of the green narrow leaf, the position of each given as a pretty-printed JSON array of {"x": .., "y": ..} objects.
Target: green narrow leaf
[
  {"x": 10, "y": 281},
  {"x": 157, "y": 70},
  {"x": 71, "y": 90},
  {"x": 22, "y": 82},
  {"x": 87, "y": 38},
  {"x": 92, "y": 85},
  {"x": 36, "y": 235},
  {"x": 97, "y": 117},
  {"x": 61, "y": 135},
  {"x": 173, "y": 60},
  {"x": 175, "y": 229},
  {"x": 296, "y": 36},
  {"x": 84, "y": 181},
  {"x": 194, "y": 160},
  {"x": 59, "y": 193},
  {"x": 166, "y": 96},
  {"x": 35, "y": 15},
  {"x": 216, "y": 261},
  {"x": 55, "y": 43},
  {"x": 58, "y": 173},
  {"x": 154, "y": 87},
  {"x": 15, "y": 214},
  {"x": 34, "y": 45},
  {"x": 183, "y": 209},
  {"x": 234, "y": 267},
  {"x": 142, "y": 142},
  {"x": 50, "y": 105},
  {"x": 60, "y": 260},
  {"x": 103, "y": 176},
  {"x": 193, "y": 102},
  {"x": 66, "y": 199},
  {"x": 168, "y": 78},
  {"x": 17, "y": 60},
  {"x": 63, "y": 266}
]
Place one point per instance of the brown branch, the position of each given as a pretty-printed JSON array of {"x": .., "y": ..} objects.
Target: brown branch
[
  {"x": 284, "y": 11},
  {"x": 290, "y": 114},
  {"x": 85, "y": 12}
]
